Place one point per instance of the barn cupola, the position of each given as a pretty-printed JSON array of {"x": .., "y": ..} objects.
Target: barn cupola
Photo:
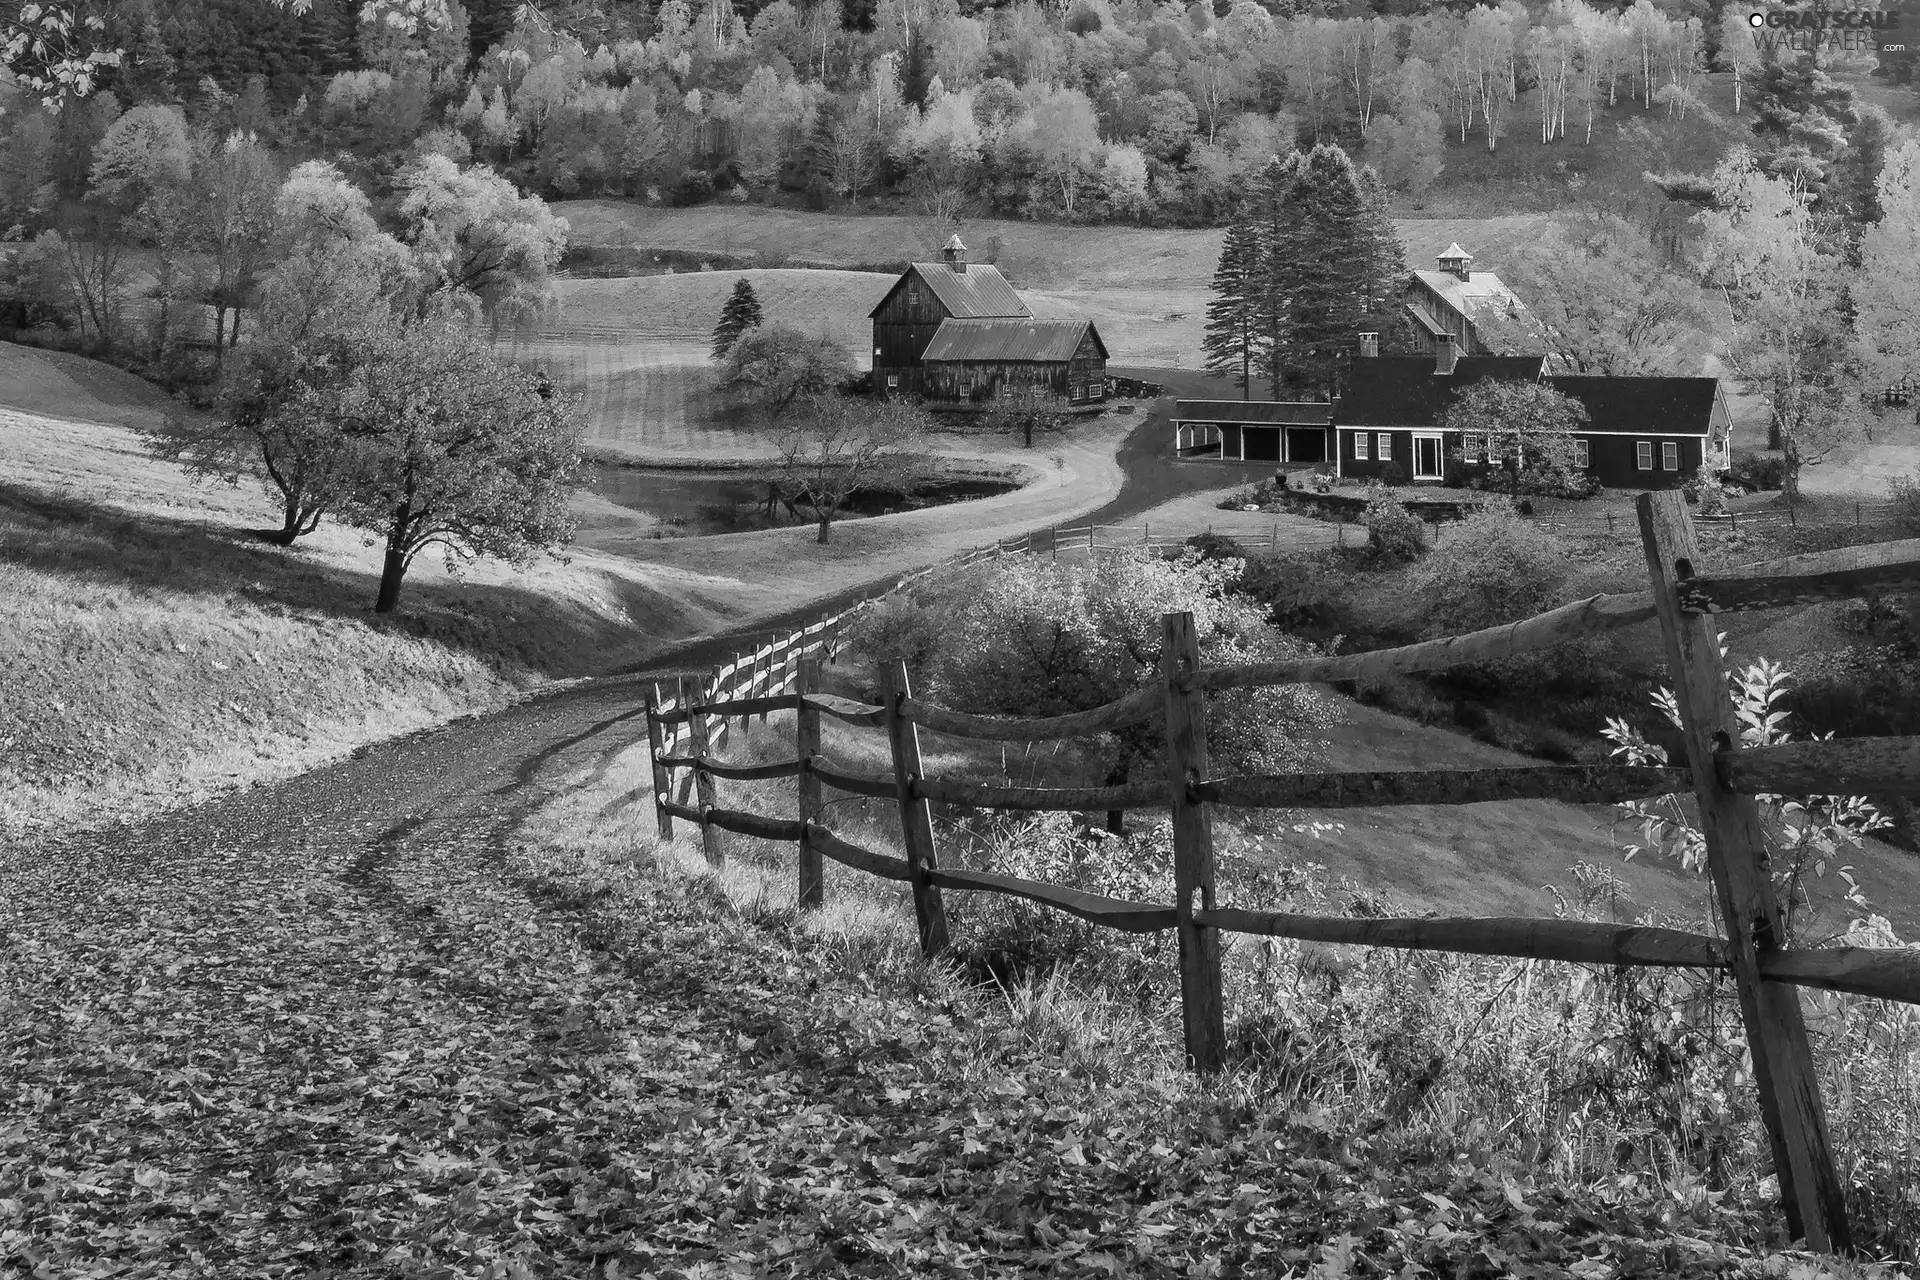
[
  {"x": 955, "y": 255},
  {"x": 1455, "y": 261}
]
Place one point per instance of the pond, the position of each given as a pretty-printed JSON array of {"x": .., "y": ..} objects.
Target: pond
[{"x": 690, "y": 503}]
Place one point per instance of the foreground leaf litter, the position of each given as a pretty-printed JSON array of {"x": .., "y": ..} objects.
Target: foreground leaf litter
[{"x": 437, "y": 1058}]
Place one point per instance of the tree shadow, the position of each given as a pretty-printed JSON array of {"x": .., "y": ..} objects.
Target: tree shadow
[{"x": 510, "y": 627}]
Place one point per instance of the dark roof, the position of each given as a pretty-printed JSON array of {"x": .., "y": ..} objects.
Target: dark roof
[
  {"x": 1048, "y": 341},
  {"x": 1296, "y": 413},
  {"x": 1645, "y": 406},
  {"x": 1404, "y": 391},
  {"x": 978, "y": 292}
]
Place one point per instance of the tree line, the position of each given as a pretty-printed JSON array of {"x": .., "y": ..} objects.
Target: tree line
[{"x": 1095, "y": 109}]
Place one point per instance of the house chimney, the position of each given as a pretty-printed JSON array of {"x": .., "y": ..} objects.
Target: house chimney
[
  {"x": 1369, "y": 344},
  {"x": 955, "y": 255},
  {"x": 1445, "y": 354},
  {"x": 1455, "y": 261}
]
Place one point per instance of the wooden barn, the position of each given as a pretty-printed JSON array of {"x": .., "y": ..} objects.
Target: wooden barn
[{"x": 954, "y": 332}]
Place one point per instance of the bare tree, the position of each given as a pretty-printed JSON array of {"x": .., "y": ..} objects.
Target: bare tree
[{"x": 840, "y": 445}]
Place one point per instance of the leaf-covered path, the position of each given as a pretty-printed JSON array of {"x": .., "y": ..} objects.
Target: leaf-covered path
[{"x": 346, "y": 1027}]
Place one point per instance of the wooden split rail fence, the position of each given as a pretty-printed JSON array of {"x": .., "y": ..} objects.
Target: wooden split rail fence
[{"x": 1724, "y": 777}]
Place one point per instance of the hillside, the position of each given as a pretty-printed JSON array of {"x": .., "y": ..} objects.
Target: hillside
[{"x": 130, "y": 594}]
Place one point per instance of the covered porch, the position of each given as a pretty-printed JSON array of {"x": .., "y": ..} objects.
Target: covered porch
[{"x": 1298, "y": 433}]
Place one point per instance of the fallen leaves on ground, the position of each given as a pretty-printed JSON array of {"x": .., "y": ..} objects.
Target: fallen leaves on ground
[{"x": 424, "y": 1059}]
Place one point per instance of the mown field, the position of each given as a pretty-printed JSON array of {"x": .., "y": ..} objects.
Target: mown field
[{"x": 636, "y": 347}]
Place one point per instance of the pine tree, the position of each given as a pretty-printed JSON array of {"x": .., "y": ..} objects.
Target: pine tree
[
  {"x": 1329, "y": 286},
  {"x": 741, "y": 313},
  {"x": 1233, "y": 314},
  {"x": 1278, "y": 248},
  {"x": 1328, "y": 258}
]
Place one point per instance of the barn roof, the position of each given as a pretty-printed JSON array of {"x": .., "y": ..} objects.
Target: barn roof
[
  {"x": 1406, "y": 391},
  {"x": 1273, "y": 413},
  {"x": 1646, "y": 406},
  {"x": 968, "y": 290},
  {"x": 1047, "y": 341}
]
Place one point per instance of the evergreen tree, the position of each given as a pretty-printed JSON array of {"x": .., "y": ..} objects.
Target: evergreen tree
[
  {"x": 1278, "y": 247},
  {"x": 1233, "y": 314},
  {"x": 1329, "y": 287},
  {"x": 741, "y": 313}
]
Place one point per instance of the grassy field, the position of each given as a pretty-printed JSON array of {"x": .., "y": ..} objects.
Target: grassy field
[{"x": 156, "y": 650}]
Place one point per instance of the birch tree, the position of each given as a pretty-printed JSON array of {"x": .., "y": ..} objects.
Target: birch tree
[
  {"x": 1886, "y": 296},
  {"x": 1365, "y": 50}
]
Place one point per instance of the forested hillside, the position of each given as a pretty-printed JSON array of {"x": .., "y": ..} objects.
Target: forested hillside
[{"x": 1092, "y": 109}]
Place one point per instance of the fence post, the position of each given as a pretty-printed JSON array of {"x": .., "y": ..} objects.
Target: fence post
[
  {"x": 1733, "y": 520},
  {"x": 1054, "y": 540},
  {"x": 656, "y": 748},
  {"x": 1200, "y": 1001},
  {"x": 806, "y": 741},
  {"x": 1090, "y": 546},
  {"x": 1792, "y": 517},
  {"x": 916, "y": 816},
  {"x": 693, "y": 696},
  {"x": 1790, "y": 1102},
  {"x": 1609, "y": 521}
]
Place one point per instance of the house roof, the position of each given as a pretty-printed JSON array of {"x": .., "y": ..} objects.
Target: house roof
[
  {"x": 1405, "y": 391},
  {"x": 1046, "y": 341},
  {"x": 1644, "y": 406},
  {"x": 1295, "y": 413},
  {"x": 978, "y": 292},
  {"x": 1424, "y": 318}
]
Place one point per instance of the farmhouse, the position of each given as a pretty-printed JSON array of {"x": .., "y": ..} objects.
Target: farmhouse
[
  {"x": 954, "y": 332},
  {"x": 1642, "y": 433}
]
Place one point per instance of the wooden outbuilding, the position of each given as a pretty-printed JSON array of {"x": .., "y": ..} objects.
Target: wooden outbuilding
[
  {"x": 1282, "y": 431},
  {"x": 955, "y": 332}
]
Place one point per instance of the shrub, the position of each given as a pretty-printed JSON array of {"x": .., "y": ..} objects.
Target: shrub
[
  {"x": 1010, "y": 941},
  {"x": 1906, "y": 503},
  {"x": 1394, "y": 534},
  {"x": 1394, "y": 474},
  {"x": 1216, "y": 546},
  {"x": 1755, "y": 472},
  {"x": 1322, "y": 480},
  {"x": 1494, "y": 568},
  {"x": 1305, "y": 594}
]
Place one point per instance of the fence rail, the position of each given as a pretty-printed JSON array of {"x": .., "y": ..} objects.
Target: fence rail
[{"x": 1724, "y": 778}]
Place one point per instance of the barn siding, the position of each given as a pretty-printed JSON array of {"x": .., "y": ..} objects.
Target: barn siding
[{"x": 904, "y": 324}]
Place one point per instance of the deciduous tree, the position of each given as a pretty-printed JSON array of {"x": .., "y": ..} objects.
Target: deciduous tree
[
  {"x": 774, "y": 365},
  {"x": 839, "y": 445},
  {"x": 448, "y": 446},
  {"x": 1024, "y": 411},
  {"x": 1886, "y": 295},
  {"x": 479, "y": 245},
  {"x": 1527, "y": 426}
]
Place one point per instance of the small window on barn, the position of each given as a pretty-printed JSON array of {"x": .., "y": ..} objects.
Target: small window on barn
[
  {"x": 1383, "y": 445},
  {"x": 1359, "y": 446},
  {"x": 1669, "y": 455},
  {"x": 876, "y": 351},
  {"x": 1582, "y": 454},
  {"x": 1643, "y": 455},
  {"x": 893, "y": 380}
]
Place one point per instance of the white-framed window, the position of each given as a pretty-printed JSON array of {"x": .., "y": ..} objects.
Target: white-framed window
[
  {"x": 1643, "y": 455},
  {"x": 1383, "y": 446},
  {"x": 1474, "y": 448},
  {"x": 876, "y": 351},
  {"x": 893, "y": 380},
  {"x": 1360, "y": 446},
  {"x": 1669, "y": 455},
  {"x": 1582, "y": 454}
]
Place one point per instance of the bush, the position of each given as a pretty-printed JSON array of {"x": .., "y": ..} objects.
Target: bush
[
  {"x": 1307, "y": 595},
  {"x": 1494, "y": 568},
  {"x": 1010, "y": 941},
  {"x": 1906, "y": 503},
  {"x": 1394, "y": 475},
  {"x": 1394, "y": 534},
  {"x": 1216, "y": 546},
  {"x": 1756, "y": 472}
]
